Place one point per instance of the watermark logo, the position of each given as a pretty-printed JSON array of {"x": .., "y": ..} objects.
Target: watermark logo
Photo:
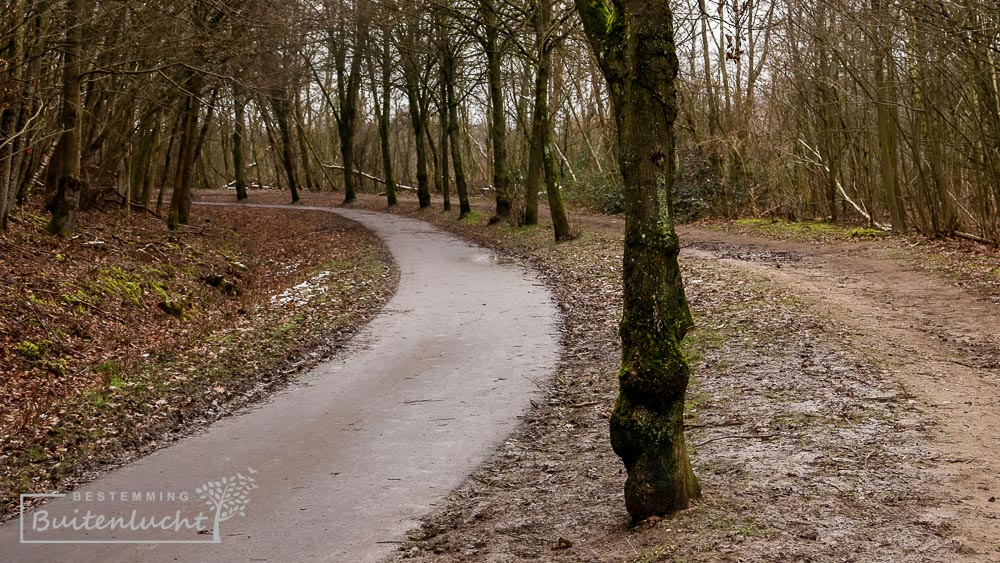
[{"x": 146, "y": 517}]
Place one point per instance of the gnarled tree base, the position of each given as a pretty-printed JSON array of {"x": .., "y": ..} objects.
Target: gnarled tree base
[{"x": 660, "y": 480}]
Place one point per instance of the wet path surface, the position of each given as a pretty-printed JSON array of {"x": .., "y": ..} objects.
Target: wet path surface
[{"x": 352, "y": 455}]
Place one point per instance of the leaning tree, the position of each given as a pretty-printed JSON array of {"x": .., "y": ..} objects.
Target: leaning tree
[{"x": 633, "y": 41}]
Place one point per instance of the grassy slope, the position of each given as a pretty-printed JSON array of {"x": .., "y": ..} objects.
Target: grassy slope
[{"x": 127, "y": 336}]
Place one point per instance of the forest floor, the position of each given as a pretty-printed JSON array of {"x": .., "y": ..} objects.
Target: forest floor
[
  {"x": 127, "y": 336},
  {"x": 843, "y": 406}
]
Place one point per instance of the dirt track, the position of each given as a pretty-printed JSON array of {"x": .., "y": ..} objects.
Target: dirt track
[{"x": 940, "y": 341}]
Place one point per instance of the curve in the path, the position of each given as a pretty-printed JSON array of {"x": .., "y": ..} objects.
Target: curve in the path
[{"x": 350, "y": 457}]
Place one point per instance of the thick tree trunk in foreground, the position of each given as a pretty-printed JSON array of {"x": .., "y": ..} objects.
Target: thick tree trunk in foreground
[
  {"x": 634, "y": 43},
  {"x": 66, "y": 203}
]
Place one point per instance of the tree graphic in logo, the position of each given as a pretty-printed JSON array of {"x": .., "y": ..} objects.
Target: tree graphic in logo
[{"x": 227, "y": 497}]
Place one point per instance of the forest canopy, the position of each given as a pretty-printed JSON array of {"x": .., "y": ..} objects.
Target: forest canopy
[{"x": 884, "y": 113}]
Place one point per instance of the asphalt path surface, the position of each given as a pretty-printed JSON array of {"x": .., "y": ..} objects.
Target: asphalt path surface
[{"x": 339, "y": 466}]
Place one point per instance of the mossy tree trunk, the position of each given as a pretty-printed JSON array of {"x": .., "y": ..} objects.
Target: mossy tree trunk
[
  {"x": 66, "y": 202},
  {"x": 634, "y": 44},
  {"x": 498, "y": 112},
  {"x": 542, "y": 159}
]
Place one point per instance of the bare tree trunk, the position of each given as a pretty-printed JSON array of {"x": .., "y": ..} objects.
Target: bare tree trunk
[
  {"x": 149, "y": 141},
  {"x": 67, "y": 200},
  {"x": 418, "y": 121},
  {"x": 348, "y": 90},
  {"x": 498, "y": 113},
  {"x": 634, "y": 43},
  {"x": 539, "y": 115},
  {"x": 239, "y": 132},
  {"x": 165, "y": 172},
  {"x": 10, "y": 137},
  {"x": 448, "y": 75},
  {"x": 180, "y": 199},
  {"x": 444, "y": 164},
  {"x": 714, "y": 122},
  {"x": 542, "y": 157},
  {"x": 7, "y": 171},
  {"x": 384, "y": 118},
  {"x": 280, "y": 106},
  {"x": 885, "y": 84},
  {"x": 303, "y": 143}
]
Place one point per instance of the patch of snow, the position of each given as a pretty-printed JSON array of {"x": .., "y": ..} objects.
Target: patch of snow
[{"x": 299, "y": 295}]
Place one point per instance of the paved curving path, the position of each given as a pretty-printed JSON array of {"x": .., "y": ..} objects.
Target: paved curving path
[{"x": 351, "y": 456}]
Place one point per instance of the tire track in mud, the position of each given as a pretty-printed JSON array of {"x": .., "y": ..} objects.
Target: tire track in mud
[{"x": 939, "y": 341}]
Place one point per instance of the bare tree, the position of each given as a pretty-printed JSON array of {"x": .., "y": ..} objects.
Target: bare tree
[{"x": 634, "y": 42}]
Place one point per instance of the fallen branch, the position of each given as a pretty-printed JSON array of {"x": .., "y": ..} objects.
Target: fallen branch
[
  {"x": 974, "y": 238},
  {"x": 132, "y": 204},
  {"x": 369, "y": 176},
  {"x": 819, "y": 162},
  {"x": 764, "y": 437}
]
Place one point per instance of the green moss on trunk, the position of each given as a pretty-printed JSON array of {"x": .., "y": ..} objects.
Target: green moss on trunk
[{"x": 634, "y": 44}]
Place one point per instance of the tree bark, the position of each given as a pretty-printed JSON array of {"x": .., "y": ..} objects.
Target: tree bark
[
  {"x": 443, "y": 166},
  {"x": 448, "y": 75},
  {"x": 542, "y": 158},
  {"x": 239, "y": 132},
  {"x": 634, "y": 44},
  {"x": 8, "y": 171},
  {"x": 303, "y": 142},
  {"x": 67, "y": 199},
  {"x": 348, "y": 90},
  {"x": 180, "y": 199},
  {"x": 385, "y": 115},
  {"x": 141, "y": 185},
  {"x": 418, "y": 120},
  {"x": 280, "y": 106},
  {"x": 498, "y": 113},
  {"x": 885, "y": 85}
]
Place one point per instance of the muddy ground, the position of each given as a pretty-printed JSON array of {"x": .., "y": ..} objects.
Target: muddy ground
[{"x": 843, "y": 409}]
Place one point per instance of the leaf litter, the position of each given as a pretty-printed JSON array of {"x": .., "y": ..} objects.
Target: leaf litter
[{"x": 109, "y": 351}]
